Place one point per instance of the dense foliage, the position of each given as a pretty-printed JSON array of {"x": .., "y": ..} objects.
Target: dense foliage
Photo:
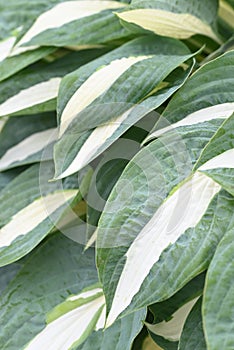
[{"x": 116, "y": 174}]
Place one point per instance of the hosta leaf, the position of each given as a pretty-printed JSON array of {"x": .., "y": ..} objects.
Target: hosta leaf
[
  {"x": 13, "y": 152},
  {"x": 109, "y": 169},
  {"x": 39, "y": 206},
  {"x": 76, "y": 150},
  {"x": 26, "y": 14},
  {"x": 5, "y": 47},
  {"x": 80, "y": 314},
  {"x": 164, "y": 310},
  {"x": 95, "y": 19},
  {"x": 118, "y": 254},
  {"x": 178, "y": 19},
  {"x": 29, "y": 150},
  {"x": 221, "y": 142},
  {"x": 219, "y": 155},
  {"x": 192, "y": 336},
  {"x": 54, "y": 271},
  {"x": 59, "y": 25},
  {"x": 206, "y": 95},
  {"x": 35, "y": 88},
  {"x": 14, "y": 64},
  {"x": 119, "y": 336},
  {"x": 162, "y": 343},
  {"x": 226, "y": 12},
  {"x": 192, "y": 198},
  {"x": 7, "y": 273},
  {"x": 112, "y": 106},
  {"x": 172, "y": 329},
  {"x": 218, "y": 296},
  {"x": 8, "y": 176},
  {"x": 117, "y": 68}
]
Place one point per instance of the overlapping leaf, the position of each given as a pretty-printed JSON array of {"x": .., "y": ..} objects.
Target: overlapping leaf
[
  {"x": 35, "y": 89},
  {"x": 30, "y": 207},
  {"x": 159, "y": 170},
  {"x": 23, "y": 148},
  {"x": 192, "y": 336},
  {"x": 218, "y": 296},
  {"x": 178, "y": 19},
  {"x": 90, "y": 120},
  {"x": 95, "y": 20},
  {"x": 54, "y": 271}
]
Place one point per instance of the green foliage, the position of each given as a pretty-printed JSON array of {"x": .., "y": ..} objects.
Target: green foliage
[{"x": 116, "y": 174}]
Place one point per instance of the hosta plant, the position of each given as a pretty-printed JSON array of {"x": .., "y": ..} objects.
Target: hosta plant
[{"x": 116, "y": 174}]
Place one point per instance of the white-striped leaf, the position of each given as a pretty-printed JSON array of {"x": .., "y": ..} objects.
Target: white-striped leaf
[
  {"x": 35, "y": 89},
  {"x": 22, "y": 128},
  {"x": 59, "y": 24},
  {"x": 12, "y": 65},
  {"x": 192, "y": 336},
  {"x": 80, "y": 315},
  {"x": 192, "y": 199},
  {"x": 29, "y": 150},
  {"x": 120, "y": 336},
  {"x": 177, "y": 19},
  {"x": 112, "y": 107},
  {"x": 30, "y": 208},
  {"x": 53, "y": 271},
  {"x": 35, "y": 95},
  {"x": 6, "y": 46},
  {"x": 172, "y": 329},
  {"x": 151, "y": 237},
  {"x": 226, "y": 12},
  {"x": 217, "y": 157},
  {"x": 206, "y": 95}
]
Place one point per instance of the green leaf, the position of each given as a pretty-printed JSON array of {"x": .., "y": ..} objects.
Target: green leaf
[
  {"x": 146, "y": 205},
  {"x": 54, "y": 271},
  {"x": 7, "y": 273},
  {"x": 8, "y": 176},
  {"x": 30, "y": 208},
  {"x": 109, "y": 169},
  {"x": 171, "y": 330},
  {"x": 21, "y": 149},
  {"x": 14, "y": 64},
  {"x": 217, "y": 156},
  {"x": 208, "y": 93},
  {"x": 119, "y": 336},
  {"x": 35, "y": 88},
  {"x": 226, "y": 11},
  {"x": 178, "y": 19},
  {"x": 165, "y": 309},
  {"x": 192, "y": 336},
  {"x": 218, "y": 296},
  {"x": 221, "y": 142},
  {"x": 72, "y": 149},
  {"x": 113, "y": 107},
  {"x": 23, "y": 127},
  {"x": 26, "y": 14},
  {"x": 84, "y": 312},
  {"x": 96, "y": 22}
]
